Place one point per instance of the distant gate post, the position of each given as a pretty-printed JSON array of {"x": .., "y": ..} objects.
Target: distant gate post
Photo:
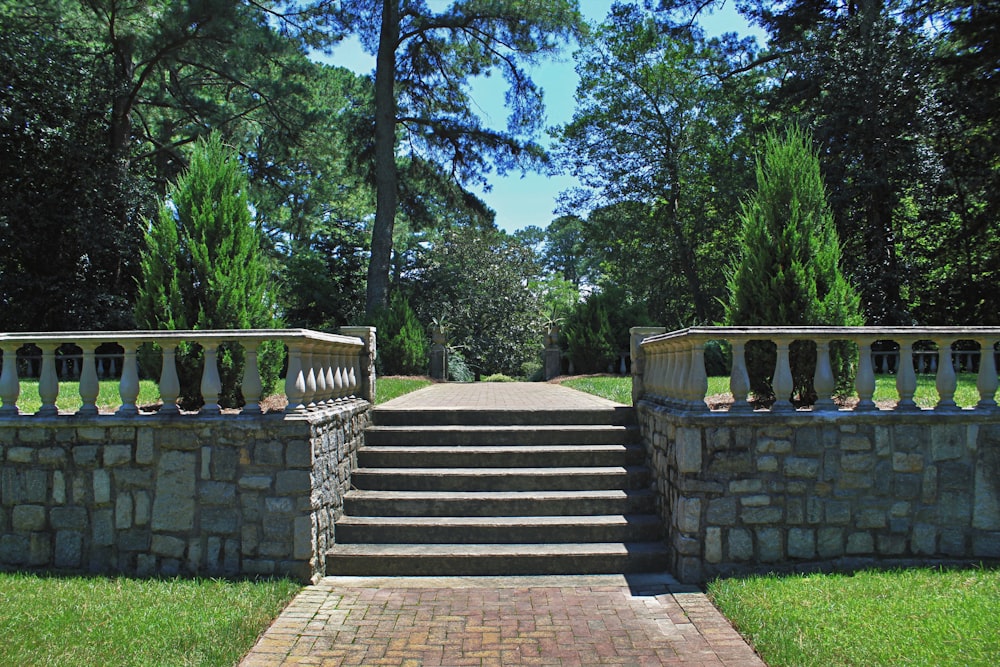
[
  {"x": 552, "y": 356},
  {"x": 439, "y": 353},
  {"x": 637, "y": 334}
]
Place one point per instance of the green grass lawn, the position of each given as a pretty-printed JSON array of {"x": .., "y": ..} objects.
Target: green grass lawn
[
  {"x": 619, "y": 388},
  {"x": 69, "y": 395},
  {"x": 388, "y": 388},
  {"x": 74, "y": 621},
  {"x": 906, "y": 617}
]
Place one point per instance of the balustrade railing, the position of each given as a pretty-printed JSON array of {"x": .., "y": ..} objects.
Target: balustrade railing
[
  {"x": 673, "y": 364},
  {"x": 322, "y": 368}
]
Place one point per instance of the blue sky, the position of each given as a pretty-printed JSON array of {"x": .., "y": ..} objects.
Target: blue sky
[{"x": 520, "y": 201}]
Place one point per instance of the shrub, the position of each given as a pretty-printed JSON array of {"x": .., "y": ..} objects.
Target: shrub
[
  {"x": 589, "y": 342},
  {"x": 498, "y": 377},
  {"x": 402, "y": 343},
  {"x": 204, "y": 267},
  {"x": 458, "y": 369},
  {"x": 788, "y": 272}
]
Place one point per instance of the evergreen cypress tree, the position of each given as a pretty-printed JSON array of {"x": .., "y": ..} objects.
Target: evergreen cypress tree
[
  {"x": 590, "y": 344},
  {"x": 788, "y": 272},
  {"x": 403, "y": 347},
  {"x": 204, "y": 267}
]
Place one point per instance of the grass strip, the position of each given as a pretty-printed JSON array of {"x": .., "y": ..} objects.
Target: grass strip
[
  {"x": 390, "y": 387},
  {"x": 619, "y": 388},
  {"x": 108, "y": 398},
  {"x": 913, "y": 617},
  {"x": 57, "y": 621}
]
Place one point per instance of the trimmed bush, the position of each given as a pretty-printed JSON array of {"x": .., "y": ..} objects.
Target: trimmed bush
[{"x": 403, "y": 347}]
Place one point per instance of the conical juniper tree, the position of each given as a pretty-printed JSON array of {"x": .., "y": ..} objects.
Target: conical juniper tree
[
  {"x": 788, "y": 272},
  {"x": 205, "y": 267}
]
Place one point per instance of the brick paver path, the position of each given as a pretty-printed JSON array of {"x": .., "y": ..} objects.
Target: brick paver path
[
  {"x": 570, "y": 620},
  {"x": 497, "y": 396}
]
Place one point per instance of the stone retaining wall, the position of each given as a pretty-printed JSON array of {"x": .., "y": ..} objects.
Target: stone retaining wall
[
  {"x": 188, "y": 495},
  {"x": 770, "y": 492}
]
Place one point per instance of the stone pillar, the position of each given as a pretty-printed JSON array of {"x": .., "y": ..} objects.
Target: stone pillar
[
  {"x": 552, "y": 356},
  {"x": 439, "y": 354},
  {"x": 637, "y": 335},
  {"x": 368, "y": 352}
]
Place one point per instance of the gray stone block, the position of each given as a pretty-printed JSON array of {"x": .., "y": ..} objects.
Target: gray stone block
[
  {"x": 770, "y": 546},
  {"x": 225, "y": 462},
  {"x": 767, "y": 463},
  {"x": 755, "y": 515},
  {"x": 947, "y": 441},
  {"x": 891, "y": 545},
  {"x": 256, "y": 482},
  {"x": 986, "y": 503},
  {"x": 85, "y": 455},
  {"x": 52, "y": 456},
  {"x": 167, "y": 546},
  {"x": 906, "y": 487},
  {"x": 144, "y": 450},
  {"x": 713, "y": 545},
  {"x": 21, "y": 454},
  {"x": 923, "y": 541},
  {"x": 801, "y": 467},
  {"x": 68, "y": 549},
  {"x": 860, "y": 543},
  {"x": 26, "y": 518},
  {"x": 101, "y": 487},
  {"x": 36, "y": 486},
  {"x": 801, "y": 543},
  {"x": 986, "y": 545},
  {"x": 870, "y": 518},
  {"x": 830, "y": 542},
  {"x": 953, "y": 543},
  {"x": 298, "y": 454},
  {"x": 102, "y": 531},
  {"x": 123, "y": 511},
  {"x": 721, "y": 512},
  {"x": 117, "y": 455},
  {"x": 279, "y": 505},
  {"x": 40, "y": 549},
  {"x": 687, "y": 450},
  {"x": 290, "y": 482},
  {"x": 14, "y": 549},
  {"x": 688, "y": 514},
  {"x": 68, "y": 518},
  {"x": 134, "y": 540},
  {"x": 173, "y": 506},
  {"x": 219, "y": 520},
  {"x": 954, "y": 509},
  {"x": 217, "y": 493}
]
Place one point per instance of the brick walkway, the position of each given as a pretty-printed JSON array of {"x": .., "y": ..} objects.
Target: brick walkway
[
  {"x": 497, "y": 396},
  {"x": 571, "y": 620}
]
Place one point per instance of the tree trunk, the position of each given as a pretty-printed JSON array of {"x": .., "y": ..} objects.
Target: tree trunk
[{"x": 386, "y": 177}]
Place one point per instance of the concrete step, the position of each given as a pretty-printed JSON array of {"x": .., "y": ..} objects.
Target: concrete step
[
  {"x": 618, "y": 416},
  {"x": 501, "y": 479},
  {"x": 499, "y": 529},
  {"x": 465, "y": 456},
  {"x": 498, "y": 503},
  {"x": 494, "y": 559},
  {"x": 500, "y": 435}
]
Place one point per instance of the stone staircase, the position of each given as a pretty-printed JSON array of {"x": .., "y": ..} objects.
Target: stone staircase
[{"x": 493, "y": 492}]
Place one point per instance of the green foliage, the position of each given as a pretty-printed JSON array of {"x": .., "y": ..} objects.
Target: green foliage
[
  {"x": 64, "y": 621},
  {"x": 458, "y": 369},
  {"x": 204, "y": 267},
  {"x": 403, "y": 346},
  {"x": 480, "y": 281},
  {"x": 498, "y": 377},
  {"x": 590, "y": 344},
  {"x": 788, "y": 271}
]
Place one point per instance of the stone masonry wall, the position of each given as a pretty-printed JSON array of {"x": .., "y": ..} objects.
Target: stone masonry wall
[
  {"x": 772, "y": 492},
  {"x": 229, "y": 495}
]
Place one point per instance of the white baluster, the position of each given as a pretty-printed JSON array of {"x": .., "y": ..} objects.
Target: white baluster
[
  {"x": 739, "y": 379},
  {"x": 48, "y": 382},
  {"x": 340, "y": 373},
  {"x": 170, "y": 386},
  {"x": 823, "y": 381},
  {"x": 697, "y": 379},
  {"x": 10, "y": 386},
  {"x": 986, "y": 382},
  {"x": 331, "y": 379},
  {"x": 309, "y": 373},
  {"x": 252, "y": 387},
  {"x": 906, "y": 379},
  {"x": 354, "y": 373},
  {"x": 321, "y": 360},
  {"x": 128, "y": 385},
  {"x": 677, "y": 390},
  {"x": 90, "y": 387},
  {"x": 864, "y": 382},
  {"x": 782, "y": 383},
  {"x": 295, "y": 381},
  {"x": 211, "y": 384},
  {"x": 946, "y": 382}
]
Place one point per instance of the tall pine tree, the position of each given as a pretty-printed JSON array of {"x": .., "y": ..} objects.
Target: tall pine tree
[
  {"x": 204, "y": 267},
  {"x": 788, "y": 273}
]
